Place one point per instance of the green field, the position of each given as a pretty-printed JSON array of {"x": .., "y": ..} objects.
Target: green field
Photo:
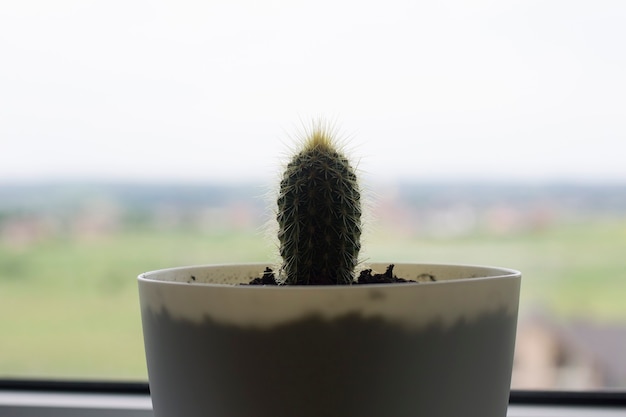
[{"x": 69, "y": 308}]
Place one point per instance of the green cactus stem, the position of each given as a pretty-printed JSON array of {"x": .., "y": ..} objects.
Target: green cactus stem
[{"x": 319, "y": 214}]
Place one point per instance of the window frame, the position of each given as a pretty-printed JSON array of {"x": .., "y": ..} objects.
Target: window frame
[{"x": 55, "y": 398}]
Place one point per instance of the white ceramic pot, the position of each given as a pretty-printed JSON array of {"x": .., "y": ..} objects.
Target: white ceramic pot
[{"x": 436, "y": 349}]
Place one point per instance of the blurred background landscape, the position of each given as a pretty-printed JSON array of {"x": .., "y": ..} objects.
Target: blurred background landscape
[
  {"x": 137, "y": 135},
  {"x": 70, "y": 253}
]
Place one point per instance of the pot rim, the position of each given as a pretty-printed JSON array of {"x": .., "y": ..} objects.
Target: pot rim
[{"x": 504, "y": 273}]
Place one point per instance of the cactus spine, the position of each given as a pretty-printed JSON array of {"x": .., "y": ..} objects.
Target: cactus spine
[{"x": 319, "y": 214}]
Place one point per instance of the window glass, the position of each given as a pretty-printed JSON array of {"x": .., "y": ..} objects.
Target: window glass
[{"x": 141, "y": 135}]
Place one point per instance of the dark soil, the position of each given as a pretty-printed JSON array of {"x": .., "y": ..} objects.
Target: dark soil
[
  {"x": 365, "y": 277},
  {"x": 268, "y": 278}
]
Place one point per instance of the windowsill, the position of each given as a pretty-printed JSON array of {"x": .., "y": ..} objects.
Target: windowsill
[{"x": 41, "y": 403}]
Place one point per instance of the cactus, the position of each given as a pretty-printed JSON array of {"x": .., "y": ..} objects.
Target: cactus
[{"x": 319, "y": 214}]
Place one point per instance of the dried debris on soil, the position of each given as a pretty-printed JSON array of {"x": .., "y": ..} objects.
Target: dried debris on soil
[{"x": 366, "y": 276}]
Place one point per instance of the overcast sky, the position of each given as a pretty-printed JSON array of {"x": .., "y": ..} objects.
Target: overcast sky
[{"x": 213, "y": 90}]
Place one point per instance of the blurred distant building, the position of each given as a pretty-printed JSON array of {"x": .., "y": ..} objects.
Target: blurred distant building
[{"x": 572, "y": 355}]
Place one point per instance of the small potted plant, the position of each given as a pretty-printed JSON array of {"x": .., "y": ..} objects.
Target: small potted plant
[{"x": 316, "y": 336}]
